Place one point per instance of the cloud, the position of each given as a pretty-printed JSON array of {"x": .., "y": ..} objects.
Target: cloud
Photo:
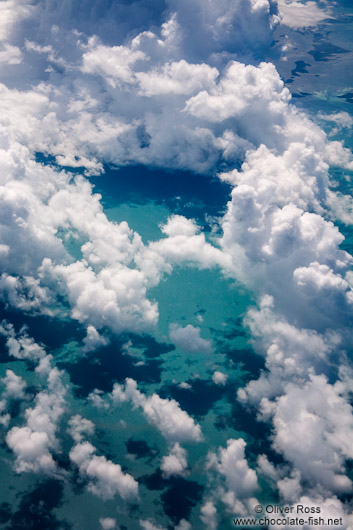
[
  {"x": 33, "y": 443},
  {"x": 106, "y": 478},
  {"x": 183, "y": 525},
  {"x": 320, "y": 417},
  {"x": 11, "y": 12},
  {"x": 209, "y": 515},
  {"x": 175, "y": 463},
  {"x": 107, "y": 523},
  {"x": 79, "y": 426},
  {"x": 4, "y": 415},
  {"x": 241, "y": 481},
  {"x": 188, "y": 339},
  {"x": 174, "y": 423},
  {"x": 299, "y": 15},
  {"x": 93, "y": 340},
  {"x": 14, "y": 386},
  {"x": 219, "y": 378},
  {"x": 10, "y": 55},
  {"x": 174, "y": 95},
  {"x": 148, "y": 525},
  {"x": 21, "y": 346},
  {"x": 31, "y": 450}
]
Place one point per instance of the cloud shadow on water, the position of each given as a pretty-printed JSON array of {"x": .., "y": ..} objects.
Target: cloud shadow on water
[{"x": 35, "y": 510}]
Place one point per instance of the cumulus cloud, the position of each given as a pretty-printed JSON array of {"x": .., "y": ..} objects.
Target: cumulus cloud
[
  {"x": 107, "y": 523},
  {"x": 302, "y": 14},
  {"x": 4, "y": 415},
  {"x": 149, "y": 525},
  {"x": 174, "y": 95},
  {"x": 320, "y": 417},
  {"x": 79, "y": 426},
  {"x": 21, "y": 345},
  {"x": 209, "y": 515},
  {"x": 188, "y": 339},
  {"x": 106, "y": 479},
  {"x": 33, "y": 443},
  {"x": 14, "y": 386},
  {"x": 93, "y": 340},
  {"x": 241, "y": 480},
  {"x": 175, "y": 463},
  {"x": 174, "y": 423},
  {"x": 183, "y": 525},
  {"x": 219, "y": 378}
]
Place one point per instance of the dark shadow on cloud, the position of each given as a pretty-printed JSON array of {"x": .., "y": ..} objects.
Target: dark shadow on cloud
[
  {"x": 35, "y": 510},
  {"x": 113, "y": 21}
]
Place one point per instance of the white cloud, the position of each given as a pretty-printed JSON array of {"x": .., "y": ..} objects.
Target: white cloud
[
  {"x": 14, "y": 386},
  {"x": 209, "y": 515},
  {"x": 148, "y": 525},
  {"x": 10, "y": 55},
  {"x": 11, "y": 12},
  {"x": 175, "y": 463},
  {"x": 33, "y": 443},
  {"x": 93, "y": 340},
  {"x": 183, "y": 525},
  {"x": 219, "y": 378},
  {"x": 320, "y": 417},
  {"x": 4, "y": 415},
  {"x": 188, "y": 339},
  {"x": 298, "y": 14},
  {"x": 175, "y": 97},
  {"x": 106, "y": 478},
  {"x": 31, "y": 450},
  {"x": 241, "y": 481},
  {"x": 107, "y": 523},
  {"x": 22, "y": 346},
  {"x": 112, "y": 62},
  {"x": 174, "y": 423},
  {"x": 79, "y": 426}
]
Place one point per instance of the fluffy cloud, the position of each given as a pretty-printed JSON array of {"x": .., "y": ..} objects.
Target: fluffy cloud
[
  {"x": 21, "y": 346},
  {"x": 174, "y": 96},
  {"x": 241, "y": 480},
  {"x": 219, "y": 378},
  {"x": 183, "y": 525},
  {"x": 148, "y": 525},
  {"x": 33, "y": 444},
  {"x": 31, "y": 449},
  {"x": 302, "y": 15},
  {"x": 107, "y": 523},
  {"x": 318, "y": 417},
  {"x": 79, "y": 426},
  {"x": 174, "y": 423},
  {"x": 175, "y": 463},
  {"x": 188, "y": 339},
  {"x": 106, "y": 478},
  {"x": 209, "y": 515},
  {"x": 14, "y": 386}
]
